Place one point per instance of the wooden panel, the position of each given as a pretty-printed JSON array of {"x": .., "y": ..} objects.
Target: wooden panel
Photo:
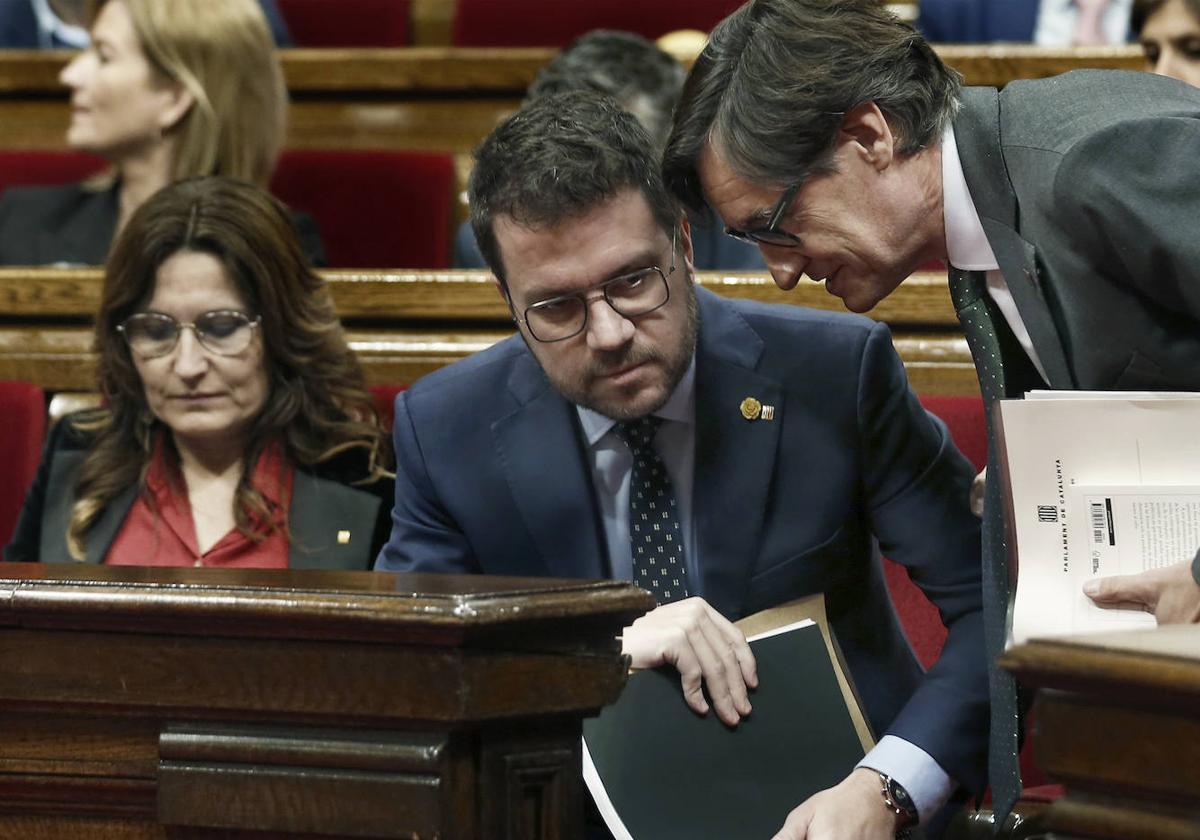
[
  {"x": 438, "y": 98},
  {"x": 404, "y": 325},
  {"x": 1118, "y": 723},
  {"x": 210, "y": 704}
]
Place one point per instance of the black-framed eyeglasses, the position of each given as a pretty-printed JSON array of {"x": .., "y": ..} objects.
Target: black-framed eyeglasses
[
  {"x": 630, "y": 295},
  {"x": 769, "y": 234},
  {"x": 225, "y": 332}
]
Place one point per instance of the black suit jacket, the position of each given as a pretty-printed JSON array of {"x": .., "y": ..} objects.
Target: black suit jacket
[
  {"x": 73, "y": 225},
  {"x": 325, "y": 500}
]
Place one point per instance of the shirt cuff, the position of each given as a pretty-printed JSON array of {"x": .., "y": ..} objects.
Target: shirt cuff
[{"x": 926, "y": 782}]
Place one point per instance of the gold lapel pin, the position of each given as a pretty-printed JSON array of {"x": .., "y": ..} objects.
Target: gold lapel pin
[
  {"x": 343, "y": 537},
  {"x": 750, "y": 408}
]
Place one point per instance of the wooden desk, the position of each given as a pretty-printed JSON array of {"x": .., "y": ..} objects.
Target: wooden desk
[
  {"x": 154, "y": 703},
  {"x": 406, "y": 324},
  {"x": 441, "y": 99},
  {"x": 1118, "y": 723}
]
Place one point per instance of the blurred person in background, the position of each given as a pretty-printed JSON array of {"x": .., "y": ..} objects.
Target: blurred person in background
[
  {"x": 1169, "y": 32},
  {"x": 236, "y": 430},
  {"x": 1047, "y": 23},
  {"x": 62, "y": 24},
  {"x": 646, "y": 81},
  {"x": 165, "y": 90}
]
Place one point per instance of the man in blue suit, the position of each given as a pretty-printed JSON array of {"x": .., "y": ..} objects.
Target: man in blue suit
[{"x": 727, "y": 456}]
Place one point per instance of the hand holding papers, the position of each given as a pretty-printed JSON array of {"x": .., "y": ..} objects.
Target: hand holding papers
[
  {"x": 659, "y": 771},
  {"x": 704, "y": 647},
  {"x": 1097, "y": 484}
]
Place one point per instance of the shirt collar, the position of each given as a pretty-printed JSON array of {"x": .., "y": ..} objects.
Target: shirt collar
[
  {"x": 679, "y": 407},
  {"x": 54, "y": 32},
  {"x": 966, "y": 243}
]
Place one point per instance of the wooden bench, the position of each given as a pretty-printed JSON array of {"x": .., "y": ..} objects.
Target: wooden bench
[
  {"x": 406, "y": 324},
  {"x": 435, "y": 98}
]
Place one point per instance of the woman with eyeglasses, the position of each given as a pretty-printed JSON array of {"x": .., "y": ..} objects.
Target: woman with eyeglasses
[
  {"x": 1169, "y": 32},
  {"x": 236, "y": 430},
  {"x": 165, "y": 90}
]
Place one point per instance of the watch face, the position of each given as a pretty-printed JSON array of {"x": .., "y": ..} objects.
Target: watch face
[{"x": 900, "y": 796}]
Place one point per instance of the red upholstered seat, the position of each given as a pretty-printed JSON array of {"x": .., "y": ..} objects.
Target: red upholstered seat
[
  {"x": 23, "y": 407},
  {"x": 347, "y": 23},
  {"x": 375, "y": 209},
  {"x": 33, "y": 168},
  {"x": 384, "y": 397},
  {"x": 555, "y": 23}
]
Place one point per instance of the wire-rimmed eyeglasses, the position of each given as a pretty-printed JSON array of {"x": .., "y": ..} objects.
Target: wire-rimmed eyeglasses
[
  {"x": 769, "y": 234},
  {"x": 225, "y": 332},
  {"x": 630, "y": 295}
]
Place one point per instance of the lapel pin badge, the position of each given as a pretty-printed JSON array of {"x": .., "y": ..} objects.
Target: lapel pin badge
[
  {"x": 343, "y": 537},
  {"x": 752, "y": 409}
]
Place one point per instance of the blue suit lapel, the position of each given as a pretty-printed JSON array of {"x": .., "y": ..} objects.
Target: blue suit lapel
[
  {"x": 977, "y": 135},
  {"x": 542, "y": 454},
  {"x": 735, "y": 457}
]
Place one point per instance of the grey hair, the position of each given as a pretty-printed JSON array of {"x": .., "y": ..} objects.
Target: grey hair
[
  {"x": 771, "y": 87},
  {"x": 558, "y": 158},
  {"x": 631, "y": 69}
]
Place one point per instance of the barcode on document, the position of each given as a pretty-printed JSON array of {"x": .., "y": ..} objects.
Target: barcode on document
[{"x": 1099, "y": 523}]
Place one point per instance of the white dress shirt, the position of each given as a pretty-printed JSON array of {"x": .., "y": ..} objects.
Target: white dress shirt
[
  {"x": 967, "y": 246},
  {"x": 1057, "y": 18}
]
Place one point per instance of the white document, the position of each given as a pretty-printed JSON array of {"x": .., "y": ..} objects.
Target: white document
[{"x": 1054, "y": 449}]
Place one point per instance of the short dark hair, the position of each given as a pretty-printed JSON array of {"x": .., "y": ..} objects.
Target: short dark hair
[
  {"x": 557, "y": 158},
  {"x": 771, "y": 87},
  {"x": 633, "y": 70},
  {"x": 1143, "y": 10}
]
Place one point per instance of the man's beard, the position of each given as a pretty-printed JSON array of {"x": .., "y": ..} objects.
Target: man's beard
[{"x": 674, "y": 361}]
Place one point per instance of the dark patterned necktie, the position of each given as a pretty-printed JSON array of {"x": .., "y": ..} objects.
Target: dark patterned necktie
[
  {"x": 655, "y": 539},
  {"x": 979, "y": 317}
]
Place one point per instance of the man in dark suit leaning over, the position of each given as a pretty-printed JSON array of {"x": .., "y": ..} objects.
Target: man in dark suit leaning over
[
  {"x": 727, "y": 456},
  {"x": 830, "y": 133}
]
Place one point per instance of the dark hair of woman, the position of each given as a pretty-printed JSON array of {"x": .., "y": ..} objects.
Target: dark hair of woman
[{"x": 317, "y": 404}]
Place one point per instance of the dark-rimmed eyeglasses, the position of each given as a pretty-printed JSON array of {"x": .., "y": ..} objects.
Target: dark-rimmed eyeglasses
[
  {"x": 225, "y": 332},
  {"x": 770, "y": 234},
  {"x": 630, "y": 295}
]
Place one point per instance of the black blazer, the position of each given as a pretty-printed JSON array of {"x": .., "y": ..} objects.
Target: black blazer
[
  {"x": 324, "y": 502},
  {"x": 72, "y": 225}
]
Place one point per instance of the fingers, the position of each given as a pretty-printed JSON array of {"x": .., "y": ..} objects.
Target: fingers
[
  {"x": 706, "y": 649},
  {"x": 976, "y": 495},
  {"x": 1139, "y": 589}
]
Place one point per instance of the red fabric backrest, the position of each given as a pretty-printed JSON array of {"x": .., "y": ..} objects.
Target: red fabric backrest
[
  {"x": 375, "y": 209},
  {"x": 19, "y": 168},
  {"x": 555, "y": 23},
  {"x": 23, "y": 407},
  {"x": 384, "y": 397},
  {"x": 347, "y": 23}
]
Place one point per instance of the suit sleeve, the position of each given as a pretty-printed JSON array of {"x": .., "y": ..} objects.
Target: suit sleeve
[
  {"x": 917, "y": 485},
  {"x": 425, "y": 537},
  {"x": 25, "y": 545},
  {"x": 1131, "y": 197}
]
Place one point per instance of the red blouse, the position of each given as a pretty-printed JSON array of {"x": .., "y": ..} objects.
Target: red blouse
[{"x": 159, "y": 530}]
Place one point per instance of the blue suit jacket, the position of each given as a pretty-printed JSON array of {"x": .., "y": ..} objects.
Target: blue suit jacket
[
  {"x": 492, "y": 477},
  {"x": 977, "y": 21}
]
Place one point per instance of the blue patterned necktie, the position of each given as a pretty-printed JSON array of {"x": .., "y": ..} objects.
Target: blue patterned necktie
[
  {"x": 655, "y": 538},
  {"x": 979, "y": 317}
]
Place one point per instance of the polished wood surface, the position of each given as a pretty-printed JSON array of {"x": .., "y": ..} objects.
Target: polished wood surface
[
  {"x": 437, "y": 98},
  {"x": 142, "y": 702},
  {"x": 403, "y": 325},
  {"x": 1117, "y": 722}
]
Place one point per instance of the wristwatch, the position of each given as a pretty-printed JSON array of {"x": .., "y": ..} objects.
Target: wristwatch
[{"x": 897, "y": 800}]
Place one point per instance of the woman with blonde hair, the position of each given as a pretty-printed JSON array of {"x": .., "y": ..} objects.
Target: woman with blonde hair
[
  {"x": 167, "y": 89},
  {"x": 236, "y": 429}
]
